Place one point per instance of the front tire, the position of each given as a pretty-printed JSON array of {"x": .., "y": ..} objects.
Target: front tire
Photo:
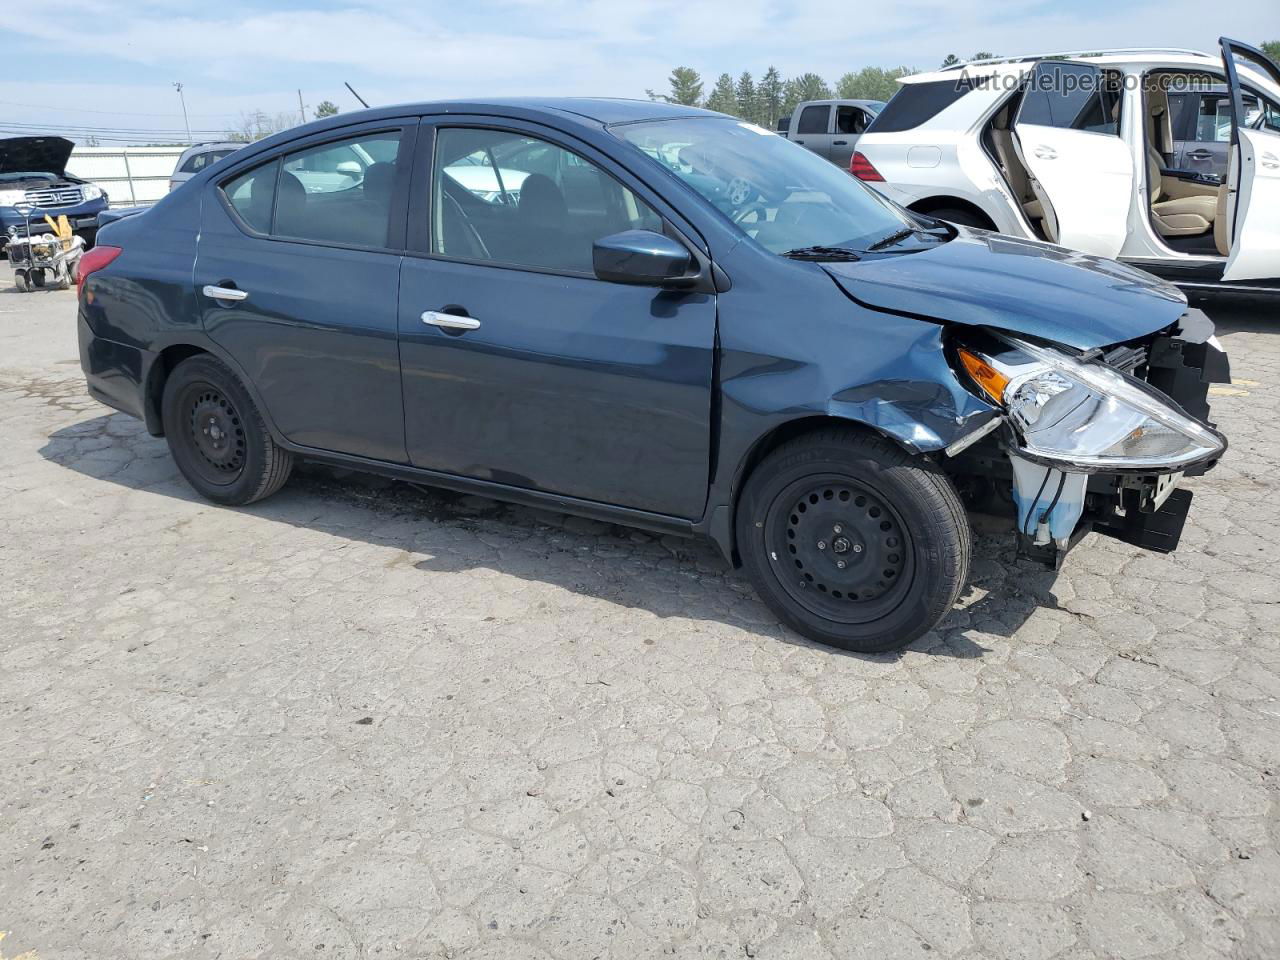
[
  {"x": 217, "y": 436},
  {"x": 852, "y": 542}
]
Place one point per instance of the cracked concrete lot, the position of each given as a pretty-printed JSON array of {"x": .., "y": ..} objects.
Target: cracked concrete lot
[{"x": 362, "y": 720}]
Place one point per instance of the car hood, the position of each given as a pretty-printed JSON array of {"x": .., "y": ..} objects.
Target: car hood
[
  {"x": 1018, "y": 286},
  {"x": 35, "y": 154}
]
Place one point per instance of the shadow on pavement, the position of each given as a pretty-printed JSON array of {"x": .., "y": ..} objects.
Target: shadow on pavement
[{"x": 1003, "y": 593}]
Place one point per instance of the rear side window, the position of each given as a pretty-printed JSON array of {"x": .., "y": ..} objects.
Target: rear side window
[
  {"x": 915, "y": 103},
  {"x": 339, "y": 192},
  {"x": 813, "y": 120},
  {"x": 201, "y": 160},
  {"x": 253, "y": 195},
  {"x": 1070, "y": 96}
]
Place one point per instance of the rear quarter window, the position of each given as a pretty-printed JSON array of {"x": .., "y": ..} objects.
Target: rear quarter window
[{"x": 916, "y": 103}]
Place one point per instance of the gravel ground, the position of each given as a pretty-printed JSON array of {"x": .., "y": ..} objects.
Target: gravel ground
[{"x": 366, "y": 720}]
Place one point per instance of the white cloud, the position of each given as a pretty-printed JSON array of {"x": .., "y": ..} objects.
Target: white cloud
[{"x": 241, "y": 55}]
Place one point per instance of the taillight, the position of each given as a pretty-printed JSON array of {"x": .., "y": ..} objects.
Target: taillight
[
  {"x": 93, "y": 260},
  {"x": 861, "y": 168}
]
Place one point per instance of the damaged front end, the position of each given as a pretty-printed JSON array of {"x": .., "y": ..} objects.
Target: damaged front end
[{"x": 1092, "y": 441}]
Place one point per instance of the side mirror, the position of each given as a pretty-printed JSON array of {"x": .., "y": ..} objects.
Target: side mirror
[{"x": 641, "y": 257}]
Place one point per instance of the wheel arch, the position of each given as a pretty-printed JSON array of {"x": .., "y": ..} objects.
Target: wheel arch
[
  {"x": 161, "y": 367},
  {"x": 165, "y": 360},
  {"x": 723, "y": 523},
  {"x": 929, "y": 205}
]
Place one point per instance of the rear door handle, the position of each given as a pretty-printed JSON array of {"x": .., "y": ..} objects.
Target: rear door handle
[
  {"x": 1200, "y": 155},
  {"x": 450, "y": 321},
  {"x": 839, "y": 143},
  {"x": 1046, "y": 153},
  {"x": 225, "y": 293}
]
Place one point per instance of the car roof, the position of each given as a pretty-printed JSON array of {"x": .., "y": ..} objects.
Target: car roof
[{"x": 604, "y": 110}]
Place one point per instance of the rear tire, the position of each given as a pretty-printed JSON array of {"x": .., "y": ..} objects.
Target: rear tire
[
  {"x": 36, "y": 277},
  {"x": 217, "y": 436},
  {"x": 852, "y": 542}
]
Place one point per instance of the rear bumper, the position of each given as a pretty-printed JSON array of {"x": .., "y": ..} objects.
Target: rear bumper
[{"x": 115, "y": 373}]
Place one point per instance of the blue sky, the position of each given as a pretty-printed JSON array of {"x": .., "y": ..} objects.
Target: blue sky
[{"x": 238, "y": 56}]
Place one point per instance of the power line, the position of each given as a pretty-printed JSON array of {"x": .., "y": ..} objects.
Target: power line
[
  {"x": 108, "y": 113},
  {"x": 55, "y": 128}
]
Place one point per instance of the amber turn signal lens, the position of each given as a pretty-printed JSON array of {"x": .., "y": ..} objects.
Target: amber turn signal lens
[{"x": 991, "y": 380}]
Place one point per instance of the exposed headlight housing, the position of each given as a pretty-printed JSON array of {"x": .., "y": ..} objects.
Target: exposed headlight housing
[
  {"x": 91, "y": 191},
  {"x": 1085, "y": 416}
]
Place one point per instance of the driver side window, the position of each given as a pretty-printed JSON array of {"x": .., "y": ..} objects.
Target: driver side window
[{"x": 508, "y": 198}]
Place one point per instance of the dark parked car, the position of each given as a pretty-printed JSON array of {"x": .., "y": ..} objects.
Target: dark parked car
[
  {"x": 658, "y": 316},
  {"x": 34, "y": 181}
]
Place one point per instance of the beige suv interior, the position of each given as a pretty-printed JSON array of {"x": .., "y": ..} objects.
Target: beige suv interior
[{"x": 1179, "y": 207}]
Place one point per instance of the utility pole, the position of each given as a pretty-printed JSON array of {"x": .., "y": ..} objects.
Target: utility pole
[
  {"x": 302, "y": 110},
  {"x": 185, "y": 122}
]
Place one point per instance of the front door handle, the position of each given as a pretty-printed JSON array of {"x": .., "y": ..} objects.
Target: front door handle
[
  {"x": 450, "y": 321},
  {"x": 1200, "y": 155},
  {"x": 225, "y": 293},
  {"x": 1046, "y": 153},
  {"x": 839, "y": 143}
]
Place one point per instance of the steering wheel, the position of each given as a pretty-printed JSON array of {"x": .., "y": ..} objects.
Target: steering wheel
[
  {"x": 739, "y": 191},
  {"x": 758, "y": 207}
]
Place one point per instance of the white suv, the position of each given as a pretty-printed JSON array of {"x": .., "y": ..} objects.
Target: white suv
[{"x": 1078, "y": 149}]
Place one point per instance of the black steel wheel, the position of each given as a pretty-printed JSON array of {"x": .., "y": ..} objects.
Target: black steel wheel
[
  {"x": 217, "y": 436},
  {"x": 853, "y": 542},
  {"x": 849, "y": 548}
]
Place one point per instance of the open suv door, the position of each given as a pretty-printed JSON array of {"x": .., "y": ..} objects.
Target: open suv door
[
  {"x": 1067, "y": 133},
  {"x": 1251, "y": 227}
]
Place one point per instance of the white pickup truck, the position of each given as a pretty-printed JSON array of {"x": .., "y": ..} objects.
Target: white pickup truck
[{"x": 829, "y": 128}]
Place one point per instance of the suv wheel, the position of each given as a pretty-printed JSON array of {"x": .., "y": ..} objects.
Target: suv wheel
[
  {"x": 217, "y": 436},
  {"x": 852, "y": 542}
]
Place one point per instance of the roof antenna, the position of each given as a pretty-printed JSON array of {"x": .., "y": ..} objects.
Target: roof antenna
[{"x": 356, "y": 95}]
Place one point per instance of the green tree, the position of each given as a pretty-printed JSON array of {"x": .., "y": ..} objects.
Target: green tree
[
  {"x": 686, "y": 88},
  {"x": 1272, "y": 50},
  {"x": 871, "y": 83},
  {"x": 807, "y": 86},
  {"x": 770, "y": 93},
  {"x": 984, "y": 55},
  {"x": 723, "y": 96},
  {"x": 326, "y": 108},
  {"x": 748, "y": 100},
  {"x": 951, "y": 60}
]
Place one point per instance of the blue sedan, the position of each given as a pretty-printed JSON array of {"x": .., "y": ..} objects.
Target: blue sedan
[{"x": 657, "y": 316}]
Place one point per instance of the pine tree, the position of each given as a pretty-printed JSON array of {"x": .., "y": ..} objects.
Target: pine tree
[
  {"x": 951, "y": 60},
  {"x": 748, "y": 102},
  {"x": 686, "y": 87},
  {"x": 723, "y": 97},
  {"x": 770, "y": 95},
  {"x": 326, "y": 108}
]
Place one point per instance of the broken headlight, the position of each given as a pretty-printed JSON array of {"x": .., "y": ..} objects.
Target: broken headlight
[{"x": 1085, "y": 416}]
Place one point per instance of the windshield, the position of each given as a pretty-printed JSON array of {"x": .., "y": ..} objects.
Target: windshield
[{"x": 781, "y": 195}]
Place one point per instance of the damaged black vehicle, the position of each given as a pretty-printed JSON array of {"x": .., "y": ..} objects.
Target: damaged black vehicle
[{"x": 662, "y": 317}]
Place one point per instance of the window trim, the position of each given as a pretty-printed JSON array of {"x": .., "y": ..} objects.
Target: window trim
[
  {"x": 1101, "y": 71},
  {"x": 407, "y": 127},
  {"x": 422, "y": 195}
]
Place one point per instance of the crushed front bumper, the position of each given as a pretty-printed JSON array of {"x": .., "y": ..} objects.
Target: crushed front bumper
[{"x": 1056, "y": 508}]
